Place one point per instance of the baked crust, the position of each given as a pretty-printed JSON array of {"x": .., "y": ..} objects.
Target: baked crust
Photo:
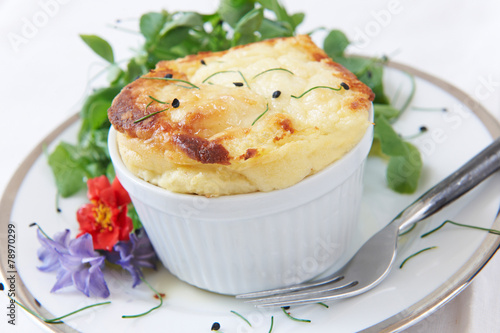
[{"x": 214, "y": 143}]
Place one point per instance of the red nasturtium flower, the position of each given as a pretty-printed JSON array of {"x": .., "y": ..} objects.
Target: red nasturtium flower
[{"x": 105, "y": 217}]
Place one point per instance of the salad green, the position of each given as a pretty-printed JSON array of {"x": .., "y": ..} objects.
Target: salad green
[{"x": 170, "y": 35}]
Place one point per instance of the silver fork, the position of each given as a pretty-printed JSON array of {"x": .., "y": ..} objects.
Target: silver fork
[{"x": 373, "y": 261}]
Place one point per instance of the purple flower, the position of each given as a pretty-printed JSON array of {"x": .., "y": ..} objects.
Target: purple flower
[
  {"x": 76, "y": 263},
  {"x": 134, "y": 254}
]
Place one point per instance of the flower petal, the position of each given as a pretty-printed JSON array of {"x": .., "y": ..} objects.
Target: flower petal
[
  {"x": 81, "y": 280},
  {"x": 122, "y": 197},
  {"x": 96, "y": 185},
  {"x": 64, "y": 279},
  {"x": 97, "y": 284}
]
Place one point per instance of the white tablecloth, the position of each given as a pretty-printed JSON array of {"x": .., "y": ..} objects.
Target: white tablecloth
[{"x": 45, "y": 69}]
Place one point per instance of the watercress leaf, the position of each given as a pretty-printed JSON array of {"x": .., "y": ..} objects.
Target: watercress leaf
[
  {"x": 245, "y": 29},
  {"x": 388, "y": 111},
  {"x": 372, "y": 76},
  {"x": 68, "y": 173},
  {"x": 231, "y": 11},
  {"x": 335, "y": 44},
  {"x": 297, "y": 19},
  {"x": 181, "y": 19},
  {"x": 356, "y": 65},
  {"x": 403, "y": 172},
  {"x": 273, "y": 29},
  {"x": 94, "y": 110},
  {"x": 151, "y": 24},
  {"x": 99, "y": 46},
  {"x": 390, "y": 142}
]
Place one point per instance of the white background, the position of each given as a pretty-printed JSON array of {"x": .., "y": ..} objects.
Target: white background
[{"x": 45, "y": 69}]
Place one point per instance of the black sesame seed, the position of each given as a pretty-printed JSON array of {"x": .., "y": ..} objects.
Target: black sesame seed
[
  {"x": 344, "y": 85},
  {"x": 276, "y": 94},
  {"x": 238, "y": 84},
  {"x": 168, "y": 76},
  {"x": 215, "y": 326},
  {"x": 286, "y": 307},
  {"x": 175, "y": 103},
  {"x": 203, "y": 62},
  {"x": 423, "y": 129}
]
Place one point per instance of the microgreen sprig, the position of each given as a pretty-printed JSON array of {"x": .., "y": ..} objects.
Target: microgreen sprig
[
  {"x": 223, "y": 72},
  {"x": 149, "y": 115},
  {"x": 260, "y": 116},
  {"x": 172, "y": 79},
  {"x": 285, "y": 308},
  {"x": 239, "y": 315},
  {"x": 272, "y": 324},
  {"x": 342, "y": 85},
  {"x": 415, "y": 254},
  {"x": 150, "y": 310},
  {"x": 491, "y": 231},
  {"x": 41, "y": 230},
  {"x": 273, "y": 69},
  {"x": 56, "y": 320}
]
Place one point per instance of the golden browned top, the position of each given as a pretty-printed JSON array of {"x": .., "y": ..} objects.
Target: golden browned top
[{"x": 238, "y": 121}]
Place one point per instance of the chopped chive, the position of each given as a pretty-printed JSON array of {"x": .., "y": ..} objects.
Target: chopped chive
[
  {"x": 147, "y": 106},
  {"x": 172, "y": 79},
  {"x": 223, "y": 72},
  {"x": 40, "y": 228},
  {"x": 318, "y": 87},
  {"x": 239, "y": 315},
  {"x": 267, "y": 109},
  {"x": 153, "y": 308},
  {"x": 56, "y": 320},
  {"x": 491, "y": 231},
  {"x": 323, "y": 304},
  {"x": 292, "y": 317},
  {"x": 417, "y": 253},
  {"x": 273, "y": 69},
  {"x": 407, "y": 231},
  {"x": 272, "y": 324},
  {"x": 157, "y": 100},
  {"x": 149, "y": 115}
]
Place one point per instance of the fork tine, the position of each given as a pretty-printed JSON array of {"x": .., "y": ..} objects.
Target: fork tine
[
  {"x": 309, "y": 295},
  {"x": 279, "y": 291}
]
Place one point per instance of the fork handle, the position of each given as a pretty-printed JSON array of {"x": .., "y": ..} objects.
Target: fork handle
[{"x": 452, "y": 187}]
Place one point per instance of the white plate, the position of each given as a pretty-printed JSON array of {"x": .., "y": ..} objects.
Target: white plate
[{"x": 407, "y": 295}]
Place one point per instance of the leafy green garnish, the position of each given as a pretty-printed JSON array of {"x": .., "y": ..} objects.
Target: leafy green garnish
[
  {"x": 404, "y": 160},
  {"x": 99, "y": 46},
  {"x": 170, "y": 35}
]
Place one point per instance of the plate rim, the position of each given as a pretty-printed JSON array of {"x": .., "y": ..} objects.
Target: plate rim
[{"x": 404, "y": 319}]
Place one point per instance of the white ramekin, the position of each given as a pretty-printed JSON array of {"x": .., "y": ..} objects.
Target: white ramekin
[{"x": 250, "y": 242}]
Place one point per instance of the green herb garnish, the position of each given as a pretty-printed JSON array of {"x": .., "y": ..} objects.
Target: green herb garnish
[
  {"x": 284, "y": 308},
  {"x": 223, "y": 72},
  {"x": 41, "y": 230},
  {"x": 273, "y": 69},
  {"x": 415, "y": 254},
  {"x": 153, "y": 308},
  {"x": 56, "y": 320},
  {"x": 323, "y": 305},
  {"x": 239, "y": 315},
  {"x": 491, "y": 231},
  {"x": 272, "y": 324},
  {"x": 149, "y": 115},
  {"x": 419, "y": 108},
  {"x": 172, "y": 79},
  {"x": 317, "y": 87},
  {"x": 172, "y": 35},
  {"x": 157, "y": 100},
  {"x": 263, "y": 113}
]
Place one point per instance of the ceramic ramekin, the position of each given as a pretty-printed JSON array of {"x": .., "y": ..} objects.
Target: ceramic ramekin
[{"x": 249, "y": 242}]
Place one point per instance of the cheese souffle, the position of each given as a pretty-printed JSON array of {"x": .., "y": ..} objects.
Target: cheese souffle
[{"x": 257, "y": 117}]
